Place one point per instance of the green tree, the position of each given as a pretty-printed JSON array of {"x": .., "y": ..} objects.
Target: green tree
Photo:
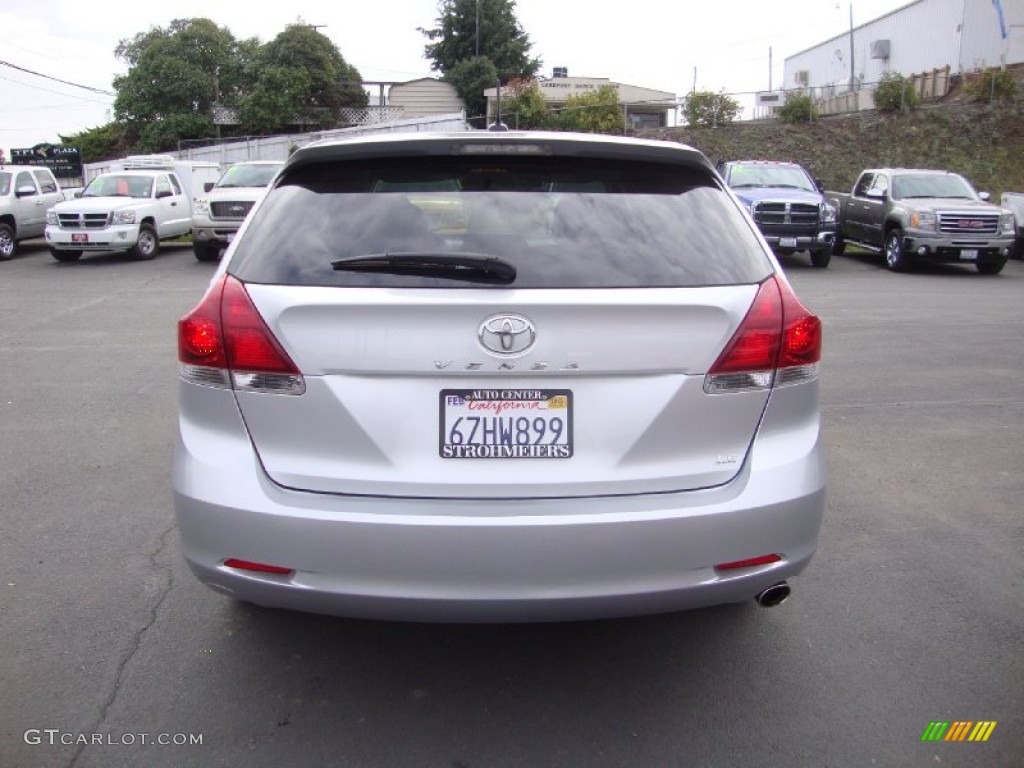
[
  {"x": 799, "y": 108},
  {"x": 469, "y": 78},
  {"x": 523, "y": 106},
  {"x": 103, "y": 142},
  {"x": 175, "y": 76},
  {"x": 301, "y": 78},
  {"x": 502, "y": 39},
  {"x": 596, "y": 112},
  {"x": 456, "y": 50},
  {"x": 707, "y": 108},
  {"x": 895, "y": 93}
]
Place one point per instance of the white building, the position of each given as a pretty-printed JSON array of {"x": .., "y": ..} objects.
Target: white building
[{"x": 922, "y": 36}]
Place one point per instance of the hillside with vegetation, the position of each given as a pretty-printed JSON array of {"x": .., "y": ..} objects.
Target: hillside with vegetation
[{"x": 984, "y": 143}]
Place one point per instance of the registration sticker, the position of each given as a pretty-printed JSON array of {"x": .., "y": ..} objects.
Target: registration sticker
[{"x": 505, "y": 424}]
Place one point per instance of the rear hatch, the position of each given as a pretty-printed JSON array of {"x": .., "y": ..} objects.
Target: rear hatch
[{"x": 500, "y": 326}]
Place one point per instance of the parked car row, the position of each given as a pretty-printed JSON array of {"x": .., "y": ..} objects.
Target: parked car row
[
  {"x": 133, "y": 206},
  {"x": 908, "y": 215}
]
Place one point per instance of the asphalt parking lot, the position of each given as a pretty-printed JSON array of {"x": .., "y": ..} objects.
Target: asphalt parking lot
[{"x": 912, "y": 611}]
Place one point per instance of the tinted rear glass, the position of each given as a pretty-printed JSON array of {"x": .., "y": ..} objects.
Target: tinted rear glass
[{"x": 561, "y": 222}]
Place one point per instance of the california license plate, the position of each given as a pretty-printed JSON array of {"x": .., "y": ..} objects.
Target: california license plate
[
  {"x": 506, "y": 424},
  {"x": 969, "y": 255},
  {"x": 787, "y": 242},
  {"x": 83, "y": 238}
]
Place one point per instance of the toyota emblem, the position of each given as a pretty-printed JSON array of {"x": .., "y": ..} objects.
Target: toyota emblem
[{"x": 507, "y": 335}]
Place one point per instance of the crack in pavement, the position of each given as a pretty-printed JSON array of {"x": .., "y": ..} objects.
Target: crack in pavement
[{"x": 136, "y": 641}]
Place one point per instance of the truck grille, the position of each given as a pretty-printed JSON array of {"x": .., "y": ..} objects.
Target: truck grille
[
  {"x": 769, "y": 212},
  {"x": 969, "y": 223},
  {"x": 235, "y": 211},
  {"x": 83, "y": 220}
]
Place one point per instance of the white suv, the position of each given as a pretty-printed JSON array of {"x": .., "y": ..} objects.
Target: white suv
[{"x": 498, "y": 376}]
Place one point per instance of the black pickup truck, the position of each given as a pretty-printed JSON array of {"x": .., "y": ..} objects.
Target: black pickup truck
[{"x": 787, "y": 205}]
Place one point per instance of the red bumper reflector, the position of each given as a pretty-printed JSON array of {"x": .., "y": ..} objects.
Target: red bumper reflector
[
  {"x": 245, "y": 565},
  {"x": 762, "y": 560}
]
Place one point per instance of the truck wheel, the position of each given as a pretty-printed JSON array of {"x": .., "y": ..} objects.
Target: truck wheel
[
  {"x": 821, "y": 258},
  {"x": 148, "y": 244},
  {"x": 8, "y": 245},
  {"x": 895, "y": 258},
  {"x": 838, "y": 246},
  {"x": 993, "y": 267},
  {"x": 205, "y": 252},
  {"x": 65, "y": 255}
]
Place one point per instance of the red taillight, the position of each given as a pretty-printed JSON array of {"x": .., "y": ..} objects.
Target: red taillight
[
  {"x": 225, "y": 334},
  {"x": 777, "y": 334},
  {"x": 801, "y": 343},
  {"x": 748, "y": 563},
  {"x": 199, "y": 337},
  {"x": 248, "y": 565},
  {"x": 250, "y": 344},
  {"x": 755, "y": 345}
]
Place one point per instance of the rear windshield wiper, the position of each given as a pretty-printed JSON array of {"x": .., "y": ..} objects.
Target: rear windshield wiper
[{"x": 473, "y": 267}]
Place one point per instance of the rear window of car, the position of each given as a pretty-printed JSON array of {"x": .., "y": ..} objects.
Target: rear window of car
[{"x": 561, "y": 222}]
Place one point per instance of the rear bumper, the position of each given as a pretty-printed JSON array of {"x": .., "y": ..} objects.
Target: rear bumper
[{"x": 494, "y": 560}]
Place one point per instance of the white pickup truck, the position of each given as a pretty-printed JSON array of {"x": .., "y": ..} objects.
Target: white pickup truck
[
  {"x": 217, "y": 216},
  {"x": 131, "y": 209},
  {"x": 27, "y": 192}
]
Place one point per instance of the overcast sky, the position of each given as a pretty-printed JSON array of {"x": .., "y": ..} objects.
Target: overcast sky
[{"x": 650, "y": 43}]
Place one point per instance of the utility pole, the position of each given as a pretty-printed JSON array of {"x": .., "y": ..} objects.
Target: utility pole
[
  {"x": 853, "y": 78},
  {"x": 769, "y": 69}
]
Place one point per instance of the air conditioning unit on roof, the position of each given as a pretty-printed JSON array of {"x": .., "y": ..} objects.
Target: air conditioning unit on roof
[{"x": 147, "y": 162}]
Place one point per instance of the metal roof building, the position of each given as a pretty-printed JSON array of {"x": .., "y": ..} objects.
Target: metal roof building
[
  {"x": 925, "y": 35},
  {"x": 645, "y": 107}
]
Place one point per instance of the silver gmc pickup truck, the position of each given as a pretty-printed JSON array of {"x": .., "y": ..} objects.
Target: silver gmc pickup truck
[{"x": 922, "y": 215}]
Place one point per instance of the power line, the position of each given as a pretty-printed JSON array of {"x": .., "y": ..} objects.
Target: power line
[
  {"x": 49, "y": 90},
  {"x": 57, "y": 79}
]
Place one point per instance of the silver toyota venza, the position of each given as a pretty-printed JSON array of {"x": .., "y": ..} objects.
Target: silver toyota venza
[{"x": 498, "y": 377}]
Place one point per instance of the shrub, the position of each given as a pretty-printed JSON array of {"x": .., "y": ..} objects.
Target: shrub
[
  {"x": 895, "y": 93},
  {"x": 990, "y": 85},
  {"x": 707, "y": 108},
  {"x": 596, "y": 112},
  {"x": 525, "y": 107},
  {"x": 799, "y": 108}
]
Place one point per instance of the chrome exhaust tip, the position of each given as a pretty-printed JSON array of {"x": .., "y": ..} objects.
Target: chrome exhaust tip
[{"x": 774, "y": 595}]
